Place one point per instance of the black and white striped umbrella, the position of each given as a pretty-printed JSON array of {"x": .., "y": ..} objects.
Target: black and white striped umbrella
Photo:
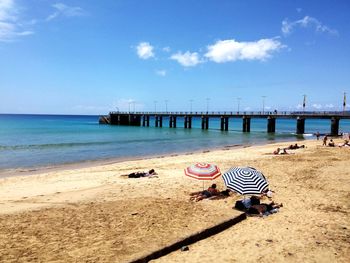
[{"x": 245, "y": 180}]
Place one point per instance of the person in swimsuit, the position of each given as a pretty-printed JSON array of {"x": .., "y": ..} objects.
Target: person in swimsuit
[
  {"x": 211, "y": 191},
  {"x": 262, "y": 209}
]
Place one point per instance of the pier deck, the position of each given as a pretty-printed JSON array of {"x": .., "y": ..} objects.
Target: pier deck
[{"x": 143, "y": 119}]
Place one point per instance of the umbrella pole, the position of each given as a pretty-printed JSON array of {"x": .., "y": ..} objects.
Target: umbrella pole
[{"x": 203, "y": 185}]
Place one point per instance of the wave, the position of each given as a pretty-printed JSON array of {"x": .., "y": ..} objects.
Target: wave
[
  {"x": 78, "y": 144},
  {"x": 308, "y": 134},
  {"x": 49, "y": 145}
]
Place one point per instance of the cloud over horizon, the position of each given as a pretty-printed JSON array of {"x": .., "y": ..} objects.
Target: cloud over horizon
[{"x": 306, "y": 22}]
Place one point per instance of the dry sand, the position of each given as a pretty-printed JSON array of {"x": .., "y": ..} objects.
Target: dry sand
[{"x": 94, "y": 214}]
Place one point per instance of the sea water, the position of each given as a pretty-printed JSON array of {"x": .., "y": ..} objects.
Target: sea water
[{"x": 46, "y": 140}]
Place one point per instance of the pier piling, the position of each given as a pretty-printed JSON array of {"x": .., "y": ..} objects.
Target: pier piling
[
  {"x": 300, "y": 125},
  {"x": 224, "y": 123},
  {"x": 159, "y": 121},
  {"x": 205, "y": 122},
  {"x": 334, "y": 126},
  {"x": 246, "y": 124},
  {"x": 172, "y": 121},
  {"x": 188, "y": 122},
  {"x": 271, "y": 124}
]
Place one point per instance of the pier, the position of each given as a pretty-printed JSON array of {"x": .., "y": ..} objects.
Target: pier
[{"x": 143, "y": 119}]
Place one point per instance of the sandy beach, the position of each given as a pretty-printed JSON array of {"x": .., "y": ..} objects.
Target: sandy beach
[{"x": 95, "y": 214}]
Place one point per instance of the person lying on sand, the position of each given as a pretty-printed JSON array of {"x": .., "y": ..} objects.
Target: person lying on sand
[
  {"x": 150, "y": 174},
  {"x": 211, "y": 191},
  {"x": 295, "y": 146},
  {"x": 246, "y": 203},
  {"x": 280, "y": 151},
  {"x": 221, "y": 195},
  {"x": 264, "y": 209},
  {"x": 345, "y": 144}
]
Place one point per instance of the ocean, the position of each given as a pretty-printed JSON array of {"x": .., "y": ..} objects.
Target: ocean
[{"x": 28, "y": 141}]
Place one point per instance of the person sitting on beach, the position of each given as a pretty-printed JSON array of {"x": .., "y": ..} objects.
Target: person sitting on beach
[
  {"x": 264, "y": 209},
  {"x": 331, "y": 143},
  {"x": 280, "y": 151},
  {"x": 150, "y": 174},
  {"x": 277, "y": 151},
  {"x": 211, "y": 191},
  {"x": 268, "y": 193}
]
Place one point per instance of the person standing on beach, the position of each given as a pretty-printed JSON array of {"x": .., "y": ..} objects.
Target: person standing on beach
[
  {"x": 325, "y": 138},
  {"x": 317, "y": 135}
]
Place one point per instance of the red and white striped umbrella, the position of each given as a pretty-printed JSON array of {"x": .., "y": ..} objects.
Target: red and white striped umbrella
[{"x": 203, "y": 171}]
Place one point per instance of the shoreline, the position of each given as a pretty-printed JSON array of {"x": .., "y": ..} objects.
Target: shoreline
[{"x": 27, "y": 171}]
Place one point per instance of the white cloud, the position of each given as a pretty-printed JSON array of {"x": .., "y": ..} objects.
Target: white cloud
[
  {"x": 329, "y": 106},
  {"x": 232, "y": 50},
  {"x": 166, "y": 49},
  {"x": 161, "y": 72},
  {"x": 65, "y": 10},
  {"x": 299, "y": 106},
  {"x": 7, "y": 10},
  {"x": 145, "y": 50},
  {"x": 187, "y": 59},
  {"x": 317, "y": 106},
  {"x": 307, "y": 21},
  {"x": 10, "y": 25}
]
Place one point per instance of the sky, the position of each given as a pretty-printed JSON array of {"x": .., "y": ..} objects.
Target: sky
[{"x": 93, "y": 56}]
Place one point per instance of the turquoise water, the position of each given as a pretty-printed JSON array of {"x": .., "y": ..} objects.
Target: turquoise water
[{"x": 45, "y": 140}]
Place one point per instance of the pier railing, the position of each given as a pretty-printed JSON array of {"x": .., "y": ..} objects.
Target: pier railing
[
  {"x": 240, "y": 113},
  {"x": 143, "y": 118}
]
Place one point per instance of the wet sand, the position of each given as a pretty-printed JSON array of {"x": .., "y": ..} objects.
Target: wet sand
[{"x": 94, "y": 214}]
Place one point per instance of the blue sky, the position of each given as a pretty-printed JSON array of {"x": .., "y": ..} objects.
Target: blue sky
[{"x": 90, "y": 56}]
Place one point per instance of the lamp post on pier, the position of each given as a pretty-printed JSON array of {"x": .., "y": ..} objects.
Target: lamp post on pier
[
  {"x": 263, "y": 104},
  {"x": 304, "y": 103},
  {"x": 344, "y": 103},
  {"x": 238, "y": 102},
  {"x": 208, "y": 99},
  {"x": 155, "y": 106},
  {"x": 166, "y": 106}
]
